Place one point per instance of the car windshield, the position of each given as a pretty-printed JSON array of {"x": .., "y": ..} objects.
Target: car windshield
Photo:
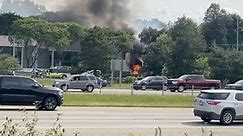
[
  {"x": 36, "y": 83},
  {"x": 239, "y": 82},
  {"x": 146, "y": 78},
  {"x": 183, "y": 77}
]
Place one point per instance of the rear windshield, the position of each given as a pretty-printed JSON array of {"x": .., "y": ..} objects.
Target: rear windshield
[{"x": 213, "y": 96}]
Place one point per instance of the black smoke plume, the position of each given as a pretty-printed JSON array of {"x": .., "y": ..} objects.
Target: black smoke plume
[{"x": 109, "y": 13}]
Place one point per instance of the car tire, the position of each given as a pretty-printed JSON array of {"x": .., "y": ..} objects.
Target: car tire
[
  {"x": 143, "y": 87},
  {"x": 90, "y": 88},
  {"x": 83, "y": 90},
  {"x": 206, "y": 120},
  {"x": 226, "y": 118},
  {"x": 50, "y": 103},
  {"x": 172, "y": 90},
  {"x": 64, "y": 87},
  {"x": 181, "y": 88}
]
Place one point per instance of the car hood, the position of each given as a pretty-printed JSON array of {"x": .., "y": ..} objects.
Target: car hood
[
  {"x": 53, "y": 89},
  {"x": 234, "y": 86}
]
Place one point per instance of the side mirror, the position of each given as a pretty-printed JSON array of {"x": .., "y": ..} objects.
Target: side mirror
[{"x": 188, "y": 79}]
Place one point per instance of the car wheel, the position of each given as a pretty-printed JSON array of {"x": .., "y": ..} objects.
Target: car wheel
[
  {"x": 206, "y": 120},
  {"x": 50, "y": 103},
  {"x": 143, "y": 87},
  {"x": 226, "y": 117},
  {"x": 172, "y": 90},
  {"x": 64, "y": 76},
  {"x": 64, "y": 87},
  {"x": 181, "y": 88},
  {"x": 90, "y": 88},
  {"x": 83, "y": 90}
]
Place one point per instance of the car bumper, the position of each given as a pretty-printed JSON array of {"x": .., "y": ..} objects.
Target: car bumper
[
  {"x": 205, "y": 114},
  {"x": 136, "y": 86},
  {"x": 172, "y": 87}
]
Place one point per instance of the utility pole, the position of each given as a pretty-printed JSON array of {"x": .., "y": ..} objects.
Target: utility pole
[{"x": 237, "y": 36}]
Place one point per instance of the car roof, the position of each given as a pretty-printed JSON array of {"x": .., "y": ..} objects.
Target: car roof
[{"x": 220, "y": 91}]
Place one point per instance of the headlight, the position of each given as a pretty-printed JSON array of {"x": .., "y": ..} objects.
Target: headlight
[
  {"x": 174, "y": 82},
  {"x": 57, "y": 83}
]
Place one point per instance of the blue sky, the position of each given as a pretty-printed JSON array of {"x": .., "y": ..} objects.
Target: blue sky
[{"x": 166, "y": 10}]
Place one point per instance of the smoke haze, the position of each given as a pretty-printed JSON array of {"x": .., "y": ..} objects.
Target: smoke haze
[{"x": 111, "y": 13}]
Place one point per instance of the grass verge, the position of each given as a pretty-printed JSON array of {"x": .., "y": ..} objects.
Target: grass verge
[{"x": 96, "y": 100}]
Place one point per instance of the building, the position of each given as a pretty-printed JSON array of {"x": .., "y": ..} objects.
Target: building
[{"x": 47, "y": 57}]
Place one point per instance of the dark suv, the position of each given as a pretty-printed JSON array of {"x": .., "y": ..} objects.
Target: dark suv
[{"x": 17, "y": 90}]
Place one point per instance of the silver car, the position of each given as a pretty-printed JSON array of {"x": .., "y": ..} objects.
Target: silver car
[{"x": 85, "y": 82}]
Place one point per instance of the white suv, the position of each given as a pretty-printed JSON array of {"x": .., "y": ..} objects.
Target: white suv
[{"x": 223, "y": 105}]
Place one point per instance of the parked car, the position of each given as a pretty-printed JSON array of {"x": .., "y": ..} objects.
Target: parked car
[
  {"x": 17, "y": 90},
  {"x": 189, "y": 81},
  {"x": 60, "y": 72},
  {"x": 101, "y": 82},
  {"x": 85, "y": 82},
  {"x": 237, "y": 85},
  {"x": 221, "y": 104},
  {"x": 150, "y": 82}
]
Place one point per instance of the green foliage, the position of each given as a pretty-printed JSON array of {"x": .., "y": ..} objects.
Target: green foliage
[
  {"x": 220, "y": 27},
  {"x": 201, "y": 66},
  {"x": 157, "y": 55},
  {"x": 8, "y": 64},
  {"x": 188, "y": 44},
  {"x": 148, "y": 36},
  {"x": 128, "y": 79},
  {"x": 100, "y": 45},
  {"x": 226, "y": 64},
  {"x": 6, "y": 21}
]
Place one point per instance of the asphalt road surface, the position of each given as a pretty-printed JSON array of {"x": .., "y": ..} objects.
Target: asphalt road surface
[
  {"x": 136, "y": 92},
  {"x": 109, "y": 121}
]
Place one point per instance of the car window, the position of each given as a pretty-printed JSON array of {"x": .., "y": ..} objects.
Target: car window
[
  {"x": 76, "y": 78},
  {"x": 157, "y": 78},
  {"x": 26, "y": 82},
  {"x": 195, "y": 77},
  {"x": 239, "y": 96},
  {"x": 10, "y": 82},
  {"x": 91, "y": 77},
  {"x": 83, "y": 78},
  {"x": 213, "y": 96}
]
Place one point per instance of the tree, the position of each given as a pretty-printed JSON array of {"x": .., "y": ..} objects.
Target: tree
[
  {"x": 188, "y": 44},
  {"x": 8, "y": 64},
  {"x": 6, "y": 21},
  {"x": 148, "y": 36},
  {"x": 100, "y": 45},
  {"x": 226, "y": 64},
  {"x": 39, "y": 34},
  {"x": 156, "y": 56},
  {"x": 220, "y": 27}
]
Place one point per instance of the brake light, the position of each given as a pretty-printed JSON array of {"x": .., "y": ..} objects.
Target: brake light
[{"x": 213, "y": 102}]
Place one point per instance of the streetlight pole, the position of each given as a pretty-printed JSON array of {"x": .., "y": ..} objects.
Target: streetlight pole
[{"x": 237, "y": 36}]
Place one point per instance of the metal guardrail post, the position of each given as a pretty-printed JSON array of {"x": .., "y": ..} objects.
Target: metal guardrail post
[
  {"x": 100, "y": 87},
  {"x": 163, "y": 89},
  {"x": 192, "y": 90},
  {"x": 131, "y": 90}
]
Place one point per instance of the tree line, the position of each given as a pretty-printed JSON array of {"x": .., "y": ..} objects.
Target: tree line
[{"x": 185, "y": 47}]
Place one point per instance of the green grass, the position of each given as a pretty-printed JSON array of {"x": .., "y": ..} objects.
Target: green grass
[
  {"x": 119, "y": 86},
  {"x": 45, "y": 81},
  {"x": 128, "y": 101}
]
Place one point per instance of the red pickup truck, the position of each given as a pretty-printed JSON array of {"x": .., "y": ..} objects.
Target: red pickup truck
[{"x": 192, "y": 81}]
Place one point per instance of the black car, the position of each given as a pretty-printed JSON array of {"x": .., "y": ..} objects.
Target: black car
[
  {"x": 17, "y": 90},
  {"x": 236, "y": 86},
  {"x": 150, "y": 82}
]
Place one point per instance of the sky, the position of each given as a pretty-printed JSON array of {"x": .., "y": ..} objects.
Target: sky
[{"x": 166, "y": 10}]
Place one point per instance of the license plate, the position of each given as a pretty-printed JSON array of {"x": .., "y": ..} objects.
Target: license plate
[{"x": 201, "y": 103}]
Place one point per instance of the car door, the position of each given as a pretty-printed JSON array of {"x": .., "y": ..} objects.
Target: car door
[
  {"x": 156, "y": 83},
  {"x": 75, "y": 82},
  {"x": 29, "y": 90},
  {"x": 83, "y": 81},
  {"x": 11, "y": 91},
  {"x": 239, "y": 105}
]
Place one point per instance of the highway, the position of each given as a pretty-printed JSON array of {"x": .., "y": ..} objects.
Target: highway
[{"x": 113, "y": 121}]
